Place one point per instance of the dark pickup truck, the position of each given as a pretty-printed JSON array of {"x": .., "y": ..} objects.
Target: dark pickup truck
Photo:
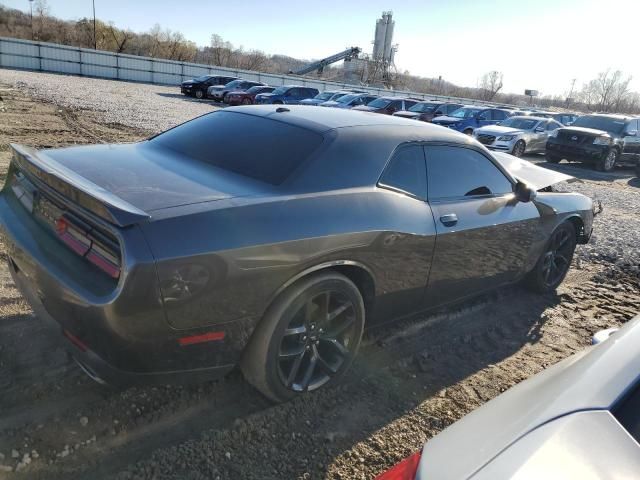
[{"x": 602, "y": 140}]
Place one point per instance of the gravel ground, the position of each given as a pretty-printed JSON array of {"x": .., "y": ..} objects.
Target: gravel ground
[
  {"x": 142, "y": 106},
  {"x": 410, "y": 381}
]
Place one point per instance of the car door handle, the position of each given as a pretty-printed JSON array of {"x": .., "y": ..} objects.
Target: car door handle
[{"x": 449, "y": 220}]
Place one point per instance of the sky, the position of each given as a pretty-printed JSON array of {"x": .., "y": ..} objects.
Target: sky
[{"x": 541, "y": 45}]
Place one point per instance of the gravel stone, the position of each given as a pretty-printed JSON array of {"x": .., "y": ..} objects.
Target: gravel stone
[{"x": 147, "y": 107}]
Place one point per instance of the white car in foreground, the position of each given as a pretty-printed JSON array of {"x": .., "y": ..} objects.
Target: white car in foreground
[{"x": 580, "y": 419}]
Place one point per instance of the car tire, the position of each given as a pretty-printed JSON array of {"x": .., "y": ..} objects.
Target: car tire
[
  {"x": 551, "y": 158},
  {"x": 638, "y": 169},
  {"x": 608, "y": 162},
  {"x": 246, "y": 101},
  {"x": 518, "y": 148},
  {"x": 555, "y": 261},
  {"x": 468, "y": 131},
  {"x": 297, "y": 347},
  {"x": 199, "y": 94}
]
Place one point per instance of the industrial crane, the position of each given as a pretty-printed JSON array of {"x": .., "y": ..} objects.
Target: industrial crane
[{"x": 346, "y": 55}]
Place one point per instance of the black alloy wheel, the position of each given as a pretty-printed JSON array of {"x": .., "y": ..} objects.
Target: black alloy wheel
[
  {"x": 307, "y": 339},
  {"x": 555, "y": 261},
  {"x": 317, "y": 342}
]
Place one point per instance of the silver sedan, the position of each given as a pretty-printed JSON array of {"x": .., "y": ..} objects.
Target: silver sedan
[{"x": 518, "y": 135}]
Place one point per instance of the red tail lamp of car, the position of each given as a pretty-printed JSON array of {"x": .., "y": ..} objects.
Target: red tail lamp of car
[
  {"x": 405, "y": 470},
  {"x": 89, "y": 245}
]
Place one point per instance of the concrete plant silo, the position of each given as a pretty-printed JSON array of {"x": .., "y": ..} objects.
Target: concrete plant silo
[
  {"x": 379, "y": 39},
  {"x": 388, "y": 37}
]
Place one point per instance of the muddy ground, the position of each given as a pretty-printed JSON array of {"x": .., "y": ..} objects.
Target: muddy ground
[{"x": 409, "y": 382}]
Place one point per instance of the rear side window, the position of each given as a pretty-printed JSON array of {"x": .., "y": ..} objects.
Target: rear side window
[
  {"x": 406, "y": 172},
  {"x": 254, "y": 147},
  {"x": 455, "y": 172}
]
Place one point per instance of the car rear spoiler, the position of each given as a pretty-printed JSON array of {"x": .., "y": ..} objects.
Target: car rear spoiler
[{"x": 75, "y": 188}]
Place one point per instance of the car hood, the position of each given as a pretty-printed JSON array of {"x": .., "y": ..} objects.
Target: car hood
[
  {"x": 498, "y": 130},
  {"x": 587, "y": 131},
  {"x": 188, "y": 82},
  {"x": 148, "y": 176},
  {"x": 406, "y": 114},
  {"x": 593, "y": 379},
  {"x": 365, "y": 108},
  {"x": 533, "y": 175},
  {"x": 311, "y": 101},
  {"x": 446, "y": 119}
]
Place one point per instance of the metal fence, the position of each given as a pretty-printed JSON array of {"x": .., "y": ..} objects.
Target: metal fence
[{"x": 51, "y": 57}]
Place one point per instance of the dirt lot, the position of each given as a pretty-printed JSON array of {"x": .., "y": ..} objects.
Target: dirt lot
[{"x": 410, "y": 381}]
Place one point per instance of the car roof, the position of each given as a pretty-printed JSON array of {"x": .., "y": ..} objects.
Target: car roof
[
  {"x": 529, "y": 117},
  {"x": 321, "y": 120},
  {"x": 616, "y": 116},
  {"x": 594, "y": 379}
]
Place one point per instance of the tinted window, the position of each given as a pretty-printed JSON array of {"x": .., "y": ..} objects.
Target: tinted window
[
  {"x": 628, "y": 413},
  {"x": 499, "y": 114},
  {"x": 486, "y": 115},
  {"x": 272, "y": 150},
  {"x": 553, "y": 125},
  {"x": 633, "y": 126},
  {"x": 406, "y": 171},
  {"x": 460, "y": 172},
  {"x": 452, "y": 108}
]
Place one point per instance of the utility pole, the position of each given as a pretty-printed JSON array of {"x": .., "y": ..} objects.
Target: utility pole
[
  {"x": 95, "y": 44},
  {"x": 31, "y": 5}
]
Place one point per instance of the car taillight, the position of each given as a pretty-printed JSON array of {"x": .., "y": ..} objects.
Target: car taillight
[
  {"x": 405, "y": 470},
  {"x": 93, "y": 246}
]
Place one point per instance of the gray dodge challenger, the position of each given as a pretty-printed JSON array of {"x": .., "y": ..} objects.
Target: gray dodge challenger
[{"x": 266, "y": 237}]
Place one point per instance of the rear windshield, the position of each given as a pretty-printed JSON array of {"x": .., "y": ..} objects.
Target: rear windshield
[
  {"x": 251, "y": 146},
  {"x": 608, "y": 124},
  {"x": 348, "y": 98}
]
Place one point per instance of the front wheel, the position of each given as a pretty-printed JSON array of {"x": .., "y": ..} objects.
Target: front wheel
[
  {"x": 308, "y": 338},
  {"x": 555, "y": 261},
  {"x": 246, "y": 101},
  {"x": 551, "y": 158},
  {"x": 518, "y": 148},
  {"x": 608, "y": 162},
  {"x": 199, "y": 94}
]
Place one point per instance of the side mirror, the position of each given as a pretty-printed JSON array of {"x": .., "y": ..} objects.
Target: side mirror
[
  {"x": 524, "y": 193},
  {"x": 631, "y": 133}
]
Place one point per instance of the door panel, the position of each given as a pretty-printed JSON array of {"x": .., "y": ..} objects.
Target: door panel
[
  {"x": 486, "y": 247},
  {"x": 483, "y": 234},
  {"x": 631, "y": 144}
]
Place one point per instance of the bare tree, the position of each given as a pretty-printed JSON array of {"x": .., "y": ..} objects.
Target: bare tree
[{"x": 491, "y": 84}]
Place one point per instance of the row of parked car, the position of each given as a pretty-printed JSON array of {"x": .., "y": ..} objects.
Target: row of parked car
[{"x": 602, "y": 140}]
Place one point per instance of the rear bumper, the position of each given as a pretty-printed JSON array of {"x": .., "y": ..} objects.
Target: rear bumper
[
  {"x": 123, "y": 328},
  {"x": 92, "y": 363}
]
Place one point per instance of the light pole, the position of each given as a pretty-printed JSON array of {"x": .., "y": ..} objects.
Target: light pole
[
  {"x": 95, "y": 44},
  {"x": 31, "y": 6}
]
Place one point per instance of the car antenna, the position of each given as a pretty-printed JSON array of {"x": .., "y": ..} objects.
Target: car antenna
[{"x": 282, "y": 109}]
